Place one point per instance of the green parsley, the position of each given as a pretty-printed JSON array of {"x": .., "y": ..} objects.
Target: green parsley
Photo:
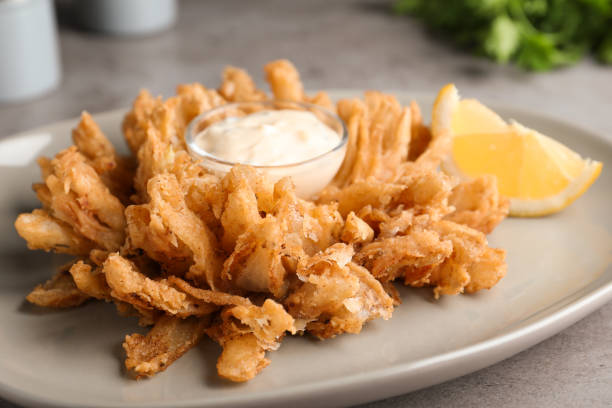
[{"x": 536, "y": 34}]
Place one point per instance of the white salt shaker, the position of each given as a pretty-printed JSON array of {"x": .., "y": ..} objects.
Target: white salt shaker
[
  {"x": 29, "y": 52},
  {"x": 125, "y": 17}
]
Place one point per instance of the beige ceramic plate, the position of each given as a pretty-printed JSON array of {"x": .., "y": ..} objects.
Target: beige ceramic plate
[{"x": 559, "y": 271}]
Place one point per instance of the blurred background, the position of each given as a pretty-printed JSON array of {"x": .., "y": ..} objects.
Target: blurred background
[
  {"x": 59, "y": 58},
  {"x": 335, "y": 44}
]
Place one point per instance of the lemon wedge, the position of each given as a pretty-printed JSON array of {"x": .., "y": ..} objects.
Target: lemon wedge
[{"x": 540, "y": 175}]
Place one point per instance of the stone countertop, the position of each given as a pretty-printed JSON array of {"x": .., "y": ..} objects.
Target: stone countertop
[{"x": 354, "y": 44}]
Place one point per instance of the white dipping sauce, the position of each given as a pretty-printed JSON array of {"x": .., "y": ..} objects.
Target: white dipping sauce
[{"x": 268, "y": 138}]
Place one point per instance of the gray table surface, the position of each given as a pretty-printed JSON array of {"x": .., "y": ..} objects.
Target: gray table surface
[{"x": 354, "y": 44}]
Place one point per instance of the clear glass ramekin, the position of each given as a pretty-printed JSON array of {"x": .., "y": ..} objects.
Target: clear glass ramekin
[{"x": 310, "y": 176}]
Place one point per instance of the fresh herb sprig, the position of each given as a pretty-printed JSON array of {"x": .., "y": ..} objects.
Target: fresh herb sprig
[{"x": 537, "y": 34}]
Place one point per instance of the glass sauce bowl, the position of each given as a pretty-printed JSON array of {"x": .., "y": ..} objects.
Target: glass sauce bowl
[{"x": 309, "y": 176}]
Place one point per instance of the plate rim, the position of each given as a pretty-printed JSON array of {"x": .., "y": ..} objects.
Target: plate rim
[
  {"x": 533, "y": 333},
  {"x": 489, "y": 351}
]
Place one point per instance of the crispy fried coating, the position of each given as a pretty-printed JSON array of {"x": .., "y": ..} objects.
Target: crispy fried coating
[
  {"x": 46, "y": 168},
  {"x": 351, "y": 111},
  {"x": 157, "y": 156},
  {"x": 374, "y": 217},
  {"x": 270, "y": 246},
  {"x": 309, "y": 228},
  {"x": 399, "y": 223},
  {"x": 92, "y": 282},
  {"x": 173, "y": 115},
  {"x": 208, "y": 296},
  {"x": 437, "y": 149},
  {"x": 58, "y": 292},
  {"x": 420, "y": 134},
  {"x": 146, "y": 231},
  {"x": 256, "y": 264},
  {"x": 98, "y": 256},
  {"x": 80, "y": 199},
  {"x": 242, "y": 357},
  {"x": 129, "y": 285},
  {"x": 426, "y": 193},
  {"x": 238, "y": 86},
  {"x": 267, "y": 322},
  {"x": 92, "y": 143},
  {"x": 136, "y": 121},
  {"x": 168, "y": 202},
  {"x": 387, "y": 138},
  {"x": 42, "y": 192},
  {"x": 487, "y": 270},
  {"x": 89, "y": 281},
  {"x": 423, "y": 191},
  {"x": 321, "y": 227},
  {"x": 203, "y": 193},
  {"x": 257, "y": 181},
  {"x": 42, "y": 231},
  {"x": 195, "y": 99},
  {"x": 322, "y": 99},
  {"x": 379, "y": 137},
  {"x": 168, "y": 339},
  {"x": 392, "y": 291},
  {"x": 154, "y": 157},
  {"x": 452, "y": 276},
  {"x": 246, "y": 332},
  {"x": 356, "y": 230},
  {"x": 115, "y": 171},
  {"x": 362, "y": 194},
  {"x": 478, "y": 204},
  {"x": 337, "y": 296},
  {"x": 390, "y": 258},
  {"x": 76, "y": 175},
  {"x": 169, "y": 117},
  {"x": 240, "y": 209},
  {"x": 285, "y": 82}
]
